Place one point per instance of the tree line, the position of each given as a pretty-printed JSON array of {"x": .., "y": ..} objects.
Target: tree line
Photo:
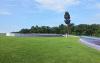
[{"x": 81, "y": 29}]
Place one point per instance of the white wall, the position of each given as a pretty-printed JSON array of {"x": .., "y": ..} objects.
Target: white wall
[{"x": 10, "y": 34}]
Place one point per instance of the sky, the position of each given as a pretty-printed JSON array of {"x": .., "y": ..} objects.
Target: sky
[{"x": 18, "y": 14}]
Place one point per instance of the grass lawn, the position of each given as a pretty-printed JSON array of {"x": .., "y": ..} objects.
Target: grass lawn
[{"x": 46, "y": 50}]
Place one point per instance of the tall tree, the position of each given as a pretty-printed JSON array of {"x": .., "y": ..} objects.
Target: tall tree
[{"x": 67, "y": 21}]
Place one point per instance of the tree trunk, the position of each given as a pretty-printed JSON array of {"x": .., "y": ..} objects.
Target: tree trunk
[{"x": 67, "y": 30}]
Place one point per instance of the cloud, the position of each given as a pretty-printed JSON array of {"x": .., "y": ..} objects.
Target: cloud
[
  {"x": 98, "y": 5},
  {"x": 5, "y": 13},
  {"x": 94, "y": 19},
  {"x": 57, "y": 5}
]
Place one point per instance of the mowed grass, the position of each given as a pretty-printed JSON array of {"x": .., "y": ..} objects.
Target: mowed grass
[{"x": 46, "y": 50}]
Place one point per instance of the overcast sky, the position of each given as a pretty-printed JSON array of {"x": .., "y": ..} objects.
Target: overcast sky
[{"x": 18, "y": 14}]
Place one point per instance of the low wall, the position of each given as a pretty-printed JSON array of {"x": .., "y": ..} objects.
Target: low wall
[
  {"x": 2, "y": 34},
  {"x": 33, "y": 35}
]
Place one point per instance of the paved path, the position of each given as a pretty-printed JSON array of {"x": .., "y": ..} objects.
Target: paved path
[{"x": 91, "y": 41}]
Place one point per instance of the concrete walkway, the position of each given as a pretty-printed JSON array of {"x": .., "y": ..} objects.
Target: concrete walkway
[{"x": 91, "y": 42}]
